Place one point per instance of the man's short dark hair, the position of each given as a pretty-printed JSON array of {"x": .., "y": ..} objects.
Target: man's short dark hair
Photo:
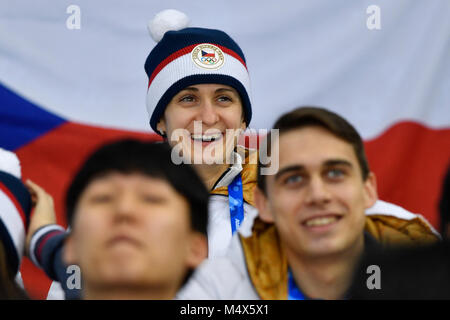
[
  {"x": 148, "y": 158},
  {"x": 315, "y": 116}
]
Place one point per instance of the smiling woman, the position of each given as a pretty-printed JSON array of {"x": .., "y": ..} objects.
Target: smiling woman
[
  {"x": 204, "y": 122},
  {"x": 198, "y": 99}
]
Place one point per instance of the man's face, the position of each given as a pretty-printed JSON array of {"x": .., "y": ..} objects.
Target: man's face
[
  {"x": 132, "y": 230},
  {"x": 317, "y": 199}
]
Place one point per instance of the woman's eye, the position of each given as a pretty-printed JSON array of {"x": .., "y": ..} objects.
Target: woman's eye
[
  {"x": 224, "y": 99},
  {"x": 187, "y": 99}
]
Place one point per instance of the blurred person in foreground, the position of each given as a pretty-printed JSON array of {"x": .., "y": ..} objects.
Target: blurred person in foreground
[{"x": 138, "y": 222}]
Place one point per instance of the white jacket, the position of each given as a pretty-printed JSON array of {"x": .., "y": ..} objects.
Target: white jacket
[{"x": 223, "y": 278}]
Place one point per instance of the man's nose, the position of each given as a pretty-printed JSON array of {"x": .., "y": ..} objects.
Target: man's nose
[
  {"x": 317, "y": 191},
  {"x": 125, "y": 207}
]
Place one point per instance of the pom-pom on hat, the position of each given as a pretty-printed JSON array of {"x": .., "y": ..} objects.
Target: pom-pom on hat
[
  {"x": 15, "y": 207},
  {"x": 187, "y": 56}
]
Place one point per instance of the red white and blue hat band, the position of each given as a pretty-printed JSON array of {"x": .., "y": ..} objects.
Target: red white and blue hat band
[
  {"x": 15, "y": 207},
  {"x": 170, "y": 67}
]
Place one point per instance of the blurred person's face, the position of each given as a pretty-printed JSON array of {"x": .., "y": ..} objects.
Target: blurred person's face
[
  {"x": 197, "y": 120},
  {"x": 318, "y": 197},
  {"x": 133, "y": 231}
]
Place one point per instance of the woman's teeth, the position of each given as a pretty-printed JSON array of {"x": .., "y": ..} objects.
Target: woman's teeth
[{"x": 206, "y": 138}]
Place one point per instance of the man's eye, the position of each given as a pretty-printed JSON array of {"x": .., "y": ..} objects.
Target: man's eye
[
  {"x": 335, "y": 173},
  {"x": 151, "y": 198},
  {"x": 102, "y": 198},
  {"x": 293, "y": 179}
]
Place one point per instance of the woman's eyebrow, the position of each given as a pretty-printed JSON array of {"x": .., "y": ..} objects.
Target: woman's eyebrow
[
  {"x": 190, "y": 89},
  {"x": 225, "y": 89}
]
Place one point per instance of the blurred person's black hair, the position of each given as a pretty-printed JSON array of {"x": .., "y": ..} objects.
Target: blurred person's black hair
[{"x": 148, "y": 158}]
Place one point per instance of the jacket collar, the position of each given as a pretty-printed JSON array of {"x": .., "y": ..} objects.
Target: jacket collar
[{"x": 227, "y": 177}]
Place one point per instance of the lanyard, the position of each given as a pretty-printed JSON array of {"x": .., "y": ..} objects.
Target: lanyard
[
  {"x": 294, "y": 292},
  {"x": 236, "y": 202}
]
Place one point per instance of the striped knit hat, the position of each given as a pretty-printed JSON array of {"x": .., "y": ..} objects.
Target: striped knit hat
[
  {"x": 15, "y": 207},
  {"x": 188, "y": 56}
]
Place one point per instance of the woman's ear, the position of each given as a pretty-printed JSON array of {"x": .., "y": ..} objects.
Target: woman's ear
[
  {"x": 243, "y": 123},
  {"x": 161, "y": 126}
]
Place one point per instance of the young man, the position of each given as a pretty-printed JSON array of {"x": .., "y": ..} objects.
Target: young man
[
  {"x": 137, "y": 227},
  {"x": 312, "y": 228}
]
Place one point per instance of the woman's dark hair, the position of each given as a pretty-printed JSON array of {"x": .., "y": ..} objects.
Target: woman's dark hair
[
  {"x": 149, "y": 158},
  {"x": 9, "y": 289}
]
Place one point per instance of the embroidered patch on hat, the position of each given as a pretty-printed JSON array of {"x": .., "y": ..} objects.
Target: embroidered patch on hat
[{"x": 208, "y": 56}]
